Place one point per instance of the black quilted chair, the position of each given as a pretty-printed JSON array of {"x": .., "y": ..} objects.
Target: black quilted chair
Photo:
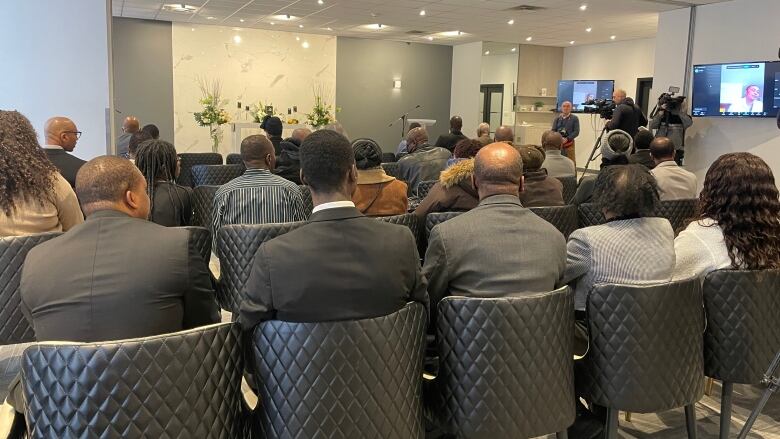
[
  {"x": 436, "y": 218},
  {"x": 215, "y": 175},
  {"x": 234, "y": 159},
  {"x": 391, "y": 169},
  {"x": 506, "y": 368},
  {"x": 645, "y": 349},
  {"x": 564, "y": 218},
  {"x": 190, "y": 159},
  {"x": 181, "y": 385},
  {"x": 389, "y": 157},
  {"x": 13, "y": 249},
  {"x": 345, "y": 379},
  {"x": 424, "y": 187},
  {"x": 743, "y": 329},
  {"x": 676, "y": 211},
  {"x": 236, "y": 248},
  {"x": 201, "y": 236},
  {"x": 203, "y": 203},
  {"x": 569, "y": 187},
  {"x": 409, "y": 220},
  {"x": 308, "y": 204},
  {"x": 589, "y": 214}
]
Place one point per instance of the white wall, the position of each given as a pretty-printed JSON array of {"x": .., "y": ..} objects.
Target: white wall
[
  {"x": 717, "y": 39},
  {"x": 265, "y": 65},
  {"x": 466, "y": 77},
  {"x": 56, "y": 63},
  {"x": 623, "y": 61},
  {"x": 501, "y": 69}
]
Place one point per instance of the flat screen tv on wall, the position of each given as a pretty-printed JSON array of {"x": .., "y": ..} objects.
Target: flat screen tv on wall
[
  {"x": 580, "y": 91},
  {"x": 740, "y": 89}
]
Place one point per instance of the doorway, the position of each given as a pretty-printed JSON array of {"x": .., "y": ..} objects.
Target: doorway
[
  {"x": 643, "y": 86},
  {"x": 492, "y": 109}
]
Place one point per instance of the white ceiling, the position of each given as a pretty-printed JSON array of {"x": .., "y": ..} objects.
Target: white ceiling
[{"x": 560, "y": 22}]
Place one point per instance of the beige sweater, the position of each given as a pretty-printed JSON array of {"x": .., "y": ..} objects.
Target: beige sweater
[{"x": 58, "y": 214}]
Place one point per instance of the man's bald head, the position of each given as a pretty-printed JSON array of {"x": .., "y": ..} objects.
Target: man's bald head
[
  {"x": 300, "y": 134},
  {"x": 257, "y": 152},
  {"x": 498, "y": 169},
  {"x": 505, "y": 134},
  {"x": 61, "y": 131},
  {"x": 552, "y": 140},
  {"x": 456, "y": 123},
  {"x": 662, "y": 149},
  {"x": 131, "y": 125},
  {"x": 112, "y": 183},
  {"x": 415, "y": 138},
  {"x": 619, "y": 95},
  {"x": 483, "y": 129}
]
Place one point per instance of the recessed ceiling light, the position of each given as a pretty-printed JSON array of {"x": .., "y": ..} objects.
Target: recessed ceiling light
[
  {"x": 612, "y": 37},
  {"x": 487, "y": 52},
  {"x": 452, "y": 33},
  {"x": 180, "y": 7},
  {"x": 375, "y": 26},
  {"x": 583, "y": 7},
  {"x": 272, "y": 23},
  {"x": 429, "y": 38},
  {"x": 320, "y": 2},
  {"x": 514, "y": 49},
  {"x": 300, "y": 26},
  {"x": 571, "y": 42},
  {"x": 237, "y": 39},
  {"x": 529, "y": 38},
  {"x": 422, "y": 13},
  {"x": 588, "y": 29},
  {"x": 328, "y": 29},
  {"x": 297, "y": 38},
  {"x": 192, "y": 29},
  {"x": 305, "y": 44},
  {"x": 210, "y": 18},
  {"x": 285, "y": 17},
  {"x": 241, "y": 20},
  {"x": 510, "y": 22}
]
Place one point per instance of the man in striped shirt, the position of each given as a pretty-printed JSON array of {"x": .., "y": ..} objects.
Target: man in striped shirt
[{"x": 258, "y": 196}]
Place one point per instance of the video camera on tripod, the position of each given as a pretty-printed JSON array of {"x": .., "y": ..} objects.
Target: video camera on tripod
[
  {"x": 603, "y": 107},
  {"x": 668, "y": 101}
]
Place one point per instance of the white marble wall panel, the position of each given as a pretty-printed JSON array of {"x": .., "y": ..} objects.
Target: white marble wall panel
[{"x": 252, "y": 65}]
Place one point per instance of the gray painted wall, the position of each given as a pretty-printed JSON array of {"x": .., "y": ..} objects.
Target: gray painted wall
[
  {"x": 143, "y": 73},
  {"x": 365, "y": 70}
]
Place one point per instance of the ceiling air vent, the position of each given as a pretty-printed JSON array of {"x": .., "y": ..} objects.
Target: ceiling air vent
[{"x": 526, "y": 8}]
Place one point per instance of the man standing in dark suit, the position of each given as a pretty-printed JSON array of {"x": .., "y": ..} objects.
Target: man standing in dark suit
[
  {"x": 449, "y": 140},
  {"x": 499, "y": 248},
  {"x": 627, "y": 115},
  {"x": 61, "y": 137},
  {"x": 340, "y": 266}
]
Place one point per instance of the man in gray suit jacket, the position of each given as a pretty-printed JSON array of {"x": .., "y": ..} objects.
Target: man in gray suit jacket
[
  {"x": 674, "y": 182},
  {"x": 498, "y": 248}
]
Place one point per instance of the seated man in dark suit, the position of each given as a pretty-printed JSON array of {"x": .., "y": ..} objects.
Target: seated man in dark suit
[
  {"x": 116, "y": 275},
  {"x": 423, "y": 163},
  {"x": 340, "y": 266},
  {"x": 61, "y": 138},
  {"x": 499, "y": 248},
  {"x": 449, "y": 140}
]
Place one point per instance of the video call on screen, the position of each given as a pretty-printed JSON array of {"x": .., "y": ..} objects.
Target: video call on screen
[
  {"x": 577, "y": 92},
  {"x": 736, "y": 89}
]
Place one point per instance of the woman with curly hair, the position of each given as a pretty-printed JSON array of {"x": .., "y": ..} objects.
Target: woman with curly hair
[
  {"x": 738, "y": 224},
  {"x": 34, "y": 197},
  {"x": 171, "y": 204}
]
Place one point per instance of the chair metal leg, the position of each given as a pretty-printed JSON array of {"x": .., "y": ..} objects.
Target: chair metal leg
[
  {"x": 562, "y": 435},
  {"x": 708, "y": 385},
  {"x": 690, "y": 420},
  {"x": 725, "y": 410},
  {"x": 613, "y": 416}
]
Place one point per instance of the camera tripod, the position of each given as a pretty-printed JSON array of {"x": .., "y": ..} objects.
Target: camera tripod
[
  {"x": 593, "y": 154},
  {"x": 772, "y": 382}
]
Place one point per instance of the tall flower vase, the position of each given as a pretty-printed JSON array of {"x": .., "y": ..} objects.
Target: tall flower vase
[{"x": 216, "y": 135}]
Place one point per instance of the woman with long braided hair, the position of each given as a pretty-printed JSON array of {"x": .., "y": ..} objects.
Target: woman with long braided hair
[
  {"x": 738, "y": 224},
  {"x": 34, "y": 197},
  {"x": 171, "y": 204}
]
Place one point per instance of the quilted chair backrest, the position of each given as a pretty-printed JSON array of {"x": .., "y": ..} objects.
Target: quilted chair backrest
[
  {"x": 215, "y": 175},
  {"x": 678, "y": 212},
  {"x": 389, "y": 157},
  {"x": 743, "y": 324},
  {"x": 434, "y": 219},
  {"x": 236, "y": 248},
  {"x": 346, "y": 379},
  {"x": 201, "y": 237},
  {"x": 181, "y": 385},
  {"x": 13, "y": 249},
  {"x": 190, "y": 159},
  {"x": 308, "y": 204},
  {"x": 391, "y": 169},
  {"x": 569, "y": 187},
  {"x": 234, "y": 159},
  {"x": 424, "y": 187},
  {"x": 409, "y": 220},
  {"x": 203, "y": 203},
  {"x": 589, "y": 214},
  {"x": 506, "y": 368},
  {"x": 645, "y": 346},
  {"x": 564, "y": 218}
]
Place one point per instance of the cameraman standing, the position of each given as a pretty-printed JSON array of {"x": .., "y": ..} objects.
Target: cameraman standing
[
  {"x": 568, "y": 126},
  {"x": 627, "y": 116},
  {"x": 671, "y": 120}
]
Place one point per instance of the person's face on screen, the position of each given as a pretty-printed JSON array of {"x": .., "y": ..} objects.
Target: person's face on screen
[
  {"x": 751, "y": 93},
  {"x": 566, "y": 108}
]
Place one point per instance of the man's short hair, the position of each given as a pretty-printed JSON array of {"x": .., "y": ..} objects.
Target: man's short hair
[
  {"x": 626, "y": 190},
  {"x": 136, "y": 139},
  {"x": 106, "y": 179},
  {"x": 273, "y": 126},
  {"x": 552, "y": 140},
  {"x": 661, "y": 148},
  {"x": 642, "y": 139},
  {"x": 152, "y": 130},
  {"x": 326, "y": 158},
  {"x": 456, "y": 123},
  {"x": 255, "y": 148},
  {"x": 467, "y": 148}
]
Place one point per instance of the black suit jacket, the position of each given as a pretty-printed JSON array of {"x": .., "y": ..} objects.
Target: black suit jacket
[
  {"x": 340, "y": 266},
  {"x": 449, "y": 140},
  {"x": 627, "y": 117},
  {"x": 116, "y": 277},
  {"x": 67, "y": 164}
]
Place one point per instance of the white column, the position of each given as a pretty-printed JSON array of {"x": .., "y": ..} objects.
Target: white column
[{"x": 466, "y": 79}]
